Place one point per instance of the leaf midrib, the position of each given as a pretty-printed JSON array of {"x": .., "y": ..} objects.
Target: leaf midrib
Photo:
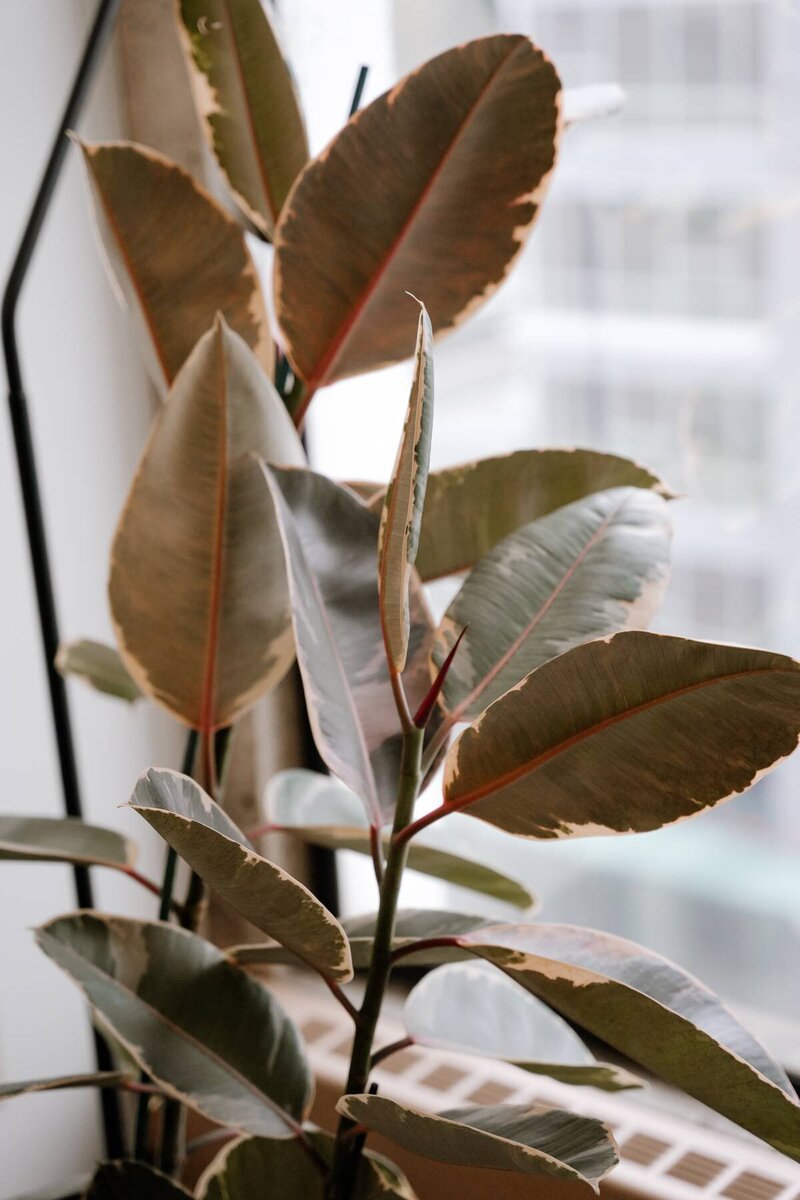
[
  {"x": 318, "y": 377},
  {"x": 184, "y": 1035},
  {"x": 538, "y": 616},
  {"x": 260, "y": 165},
  {"x": 527, "y": 768}
]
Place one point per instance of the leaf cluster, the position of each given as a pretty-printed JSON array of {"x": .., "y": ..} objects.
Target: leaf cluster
[{"x": 552, "y": 711}]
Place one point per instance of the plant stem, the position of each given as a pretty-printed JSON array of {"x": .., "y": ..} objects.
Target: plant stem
[
  {"x": 346, "y": 1155},
  {"x": 173, "y": 1132},
  {"x": 164, "y": 912}
]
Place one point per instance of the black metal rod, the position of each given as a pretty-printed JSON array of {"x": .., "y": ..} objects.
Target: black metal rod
[{"x": 31, "y": 496}]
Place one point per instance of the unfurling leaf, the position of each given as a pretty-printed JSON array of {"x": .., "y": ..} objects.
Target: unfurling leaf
[
  {"x": 62, "y": 839},
  {"x": 589, "y": 569},
  {"x": 198, "y": 587},
  {"x": 133, "y": 1181},
  {"x": 469, "y": 509},
  {"x": 324, "y": 812},
  {"x": 175, "y": 257},
  {"x": 625, "y": 735},
  {"x": 251, "y": 1167},
  {"x": 653, "y": 1013},
  {"x": 412, "y": 925},
  {"x": 26, "y": 1087},
  {"x": 528, "y": 1139},
  {"x": 200, "y": 1028},
  {"x": 248, "y": 103},
  {"x": 431, "y": 189},
  {"x": 331, "y": 545},
  {"x": 259, "y": 890},
  {"x": 469, "y": 1008},
  {"x": 405, "y": 499},
  {"x": 100, "y": 665}
]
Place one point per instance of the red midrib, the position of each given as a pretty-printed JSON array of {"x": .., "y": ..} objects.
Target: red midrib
[
  {"x": 527, "y": 768},
  {"x": 522, "y": 637},
  {"x": 318, "y": 377},
  {"x": 207, "y": 701},
  {"x": 249, "y": 118},
  {"x": 183, "y": 1034},
  {"x": 121, "y": 247}
]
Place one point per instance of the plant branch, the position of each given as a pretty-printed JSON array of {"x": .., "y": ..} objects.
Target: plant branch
[
  {"x": 346, "y": 1156},
  {"x": 401, "y": 703},
  {"x": 391, "y": 1048},
  {"x": 414, "y": 827},
  {"x": 339, "y": 995},
  {"x": 144, "y": 882},
  {"x": 422, "y": 944}
]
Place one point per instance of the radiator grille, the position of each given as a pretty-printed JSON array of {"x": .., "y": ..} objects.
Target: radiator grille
[{"x": 661, "y": 1155}]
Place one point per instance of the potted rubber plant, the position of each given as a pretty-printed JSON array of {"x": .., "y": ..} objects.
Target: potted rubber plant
[{"x": 551, "y": 710}]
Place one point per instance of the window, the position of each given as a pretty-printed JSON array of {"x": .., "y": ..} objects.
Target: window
[{"x": 651, "y": 316}]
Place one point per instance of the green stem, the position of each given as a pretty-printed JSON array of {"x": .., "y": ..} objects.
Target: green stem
[
  {"x": 164, "y": 912},
  {"x": 347, "y": 1152},
  {"x": 173, "y": 1133}
]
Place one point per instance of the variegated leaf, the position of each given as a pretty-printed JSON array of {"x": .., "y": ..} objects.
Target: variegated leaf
[
  {"x": 623, "y": 735},
  {"x": 259, "y": 890},
  {"x": 100, "y": 665},
  {"x": 469, "y": 509},
  {"x": 331, "y": 545},
  {"x": 62, "y": 839},
  {"x": 405, "y": 499},
  {"x": 175, "y": 257},
  {"x": 198, "y": 587},
  {"x": 469, "y": 1008},
  {"x": 652, "y": 1012},
  {"x": 411, "y": 925},
  {"x": 324, "y": 812},
  {"x": 527, "y": 1139},
  {"x": 247, "y": 101},
  {"x": 250, "y": 1167},
  {"x": 431, "y": 188},
  {"x": 200, "y": 1028},
  {"x": 596, "y": 566}
]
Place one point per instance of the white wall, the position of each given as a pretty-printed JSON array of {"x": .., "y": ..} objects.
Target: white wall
[{"x": 91, "y": 408}]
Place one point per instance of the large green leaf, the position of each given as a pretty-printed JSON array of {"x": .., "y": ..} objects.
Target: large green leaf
[
  {"x": 324, "y": 812},
  {"x": 624, "y": 735},
  {"x": 259, "y": 890},
  {"x": 206, "y": 1033},
  {"x": 247, "y": 100},
  {"x": 589, "y": 569},
  {"x": 432, "y": 188},
  {"x": 412, "y": 924},
  {"x": 132, "y": 1181},
  {"x": 176, "y": 258},
  {"x": 531, "y": 1140},
  {"x": 252, "y": 1167},
  {"x": 25, "y": 1087},
  {"x": 62, "y": 839},
  {"x": 100, "y": 665},
  {"x": 331, "y": 545},
  {"x": 198, "y": 587},
  {"x": 653, "y": 1013},
  {"x": 471, "y": 1009},
  {"x": 470, "y": 508},
  {"x": 405, "y": 499}
]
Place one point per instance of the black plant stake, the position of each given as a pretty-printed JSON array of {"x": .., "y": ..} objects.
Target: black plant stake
[{"x": 26, "y": 462}]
